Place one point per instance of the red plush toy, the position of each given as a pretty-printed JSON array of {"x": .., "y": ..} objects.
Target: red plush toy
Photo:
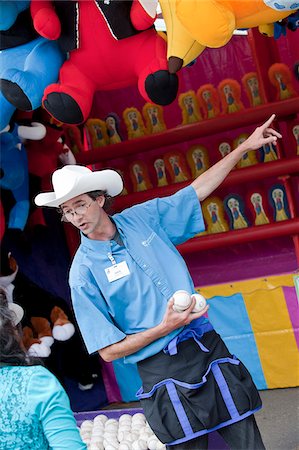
[
  {"x": 112, "y": 44},
  {"x": 50, "y": 153}
]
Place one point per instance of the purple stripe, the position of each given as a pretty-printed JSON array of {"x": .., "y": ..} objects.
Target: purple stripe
[
  {"x": 140, "y": 394},
  {"x": 293, "y": 309},
  {"x": 225, "y": 392},
  {"x": 188, "y": 333},
  {"x": 179, "y": 410},
  {"x": 110, "y": 383},
  {"x": 221, "y": 425},
  {"x": 172, "y": 346}
]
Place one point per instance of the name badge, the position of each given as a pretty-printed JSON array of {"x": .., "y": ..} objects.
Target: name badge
[{"x": 117, "y": 271}]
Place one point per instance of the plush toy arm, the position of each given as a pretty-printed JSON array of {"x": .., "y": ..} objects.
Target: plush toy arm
[
  {"x": 67, "y": 157},
  {"x": 143, "y": 13},
  {"x": 9, "y": 12},
  {"x": 45, "y": 19}
]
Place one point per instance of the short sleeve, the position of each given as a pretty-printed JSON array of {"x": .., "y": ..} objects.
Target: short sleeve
[
  {"x": 96, "y": 326},
  {"x": 179, "y": 215},
  {"x": 51, "y": 404}
]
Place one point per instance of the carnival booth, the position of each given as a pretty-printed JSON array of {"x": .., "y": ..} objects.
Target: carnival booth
[{"x": 160, "y": 122}]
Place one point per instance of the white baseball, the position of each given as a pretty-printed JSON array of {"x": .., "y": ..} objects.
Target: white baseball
[
  {"x": 152, "y": 443},
  {"x": 100, "y": 418},
  {"x": 87, "y": 425},
  {"x": 125, "y": 445},
  {"x": 124, "y": 436},
  {"x": 140, "y": 444},
  {"x": 138, "y": 417},
  {"x": 97, "y": 431},
  {"x": 125, "y": 418},
  {"x": 200, "y": 303},
  {"x": 182, "y": 300}
]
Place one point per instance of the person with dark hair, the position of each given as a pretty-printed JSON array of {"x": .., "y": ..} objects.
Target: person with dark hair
[
  {"x": 122, "y": 281},
  {"x": 35, "y": 411}
]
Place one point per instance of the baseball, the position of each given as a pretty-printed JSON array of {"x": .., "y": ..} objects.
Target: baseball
[
  {"x": 182, "y": 300},
  {"x": 200, "y": 303}
]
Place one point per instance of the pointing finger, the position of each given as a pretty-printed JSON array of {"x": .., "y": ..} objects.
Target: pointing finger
[{"x": 269, "y": 121}]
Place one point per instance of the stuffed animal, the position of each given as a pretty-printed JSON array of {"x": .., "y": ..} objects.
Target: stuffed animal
[
  {"x": 113, "y": 124},
  {"x": 73, "y": 138},
  {"x": 279, "y": 202},
  {"x": 235, "y": 209},
  {"x": 190, "y": 108},
  {"x": 281, "y": 78},
  {"x": 249, "y": 158},
  {"x": 209, "y": 101},
  {"x": 213, "y": 212},
  {"x": 97, "y": 133},
  {"x": 28, "y": 62},
  {"x": 44, "y": 319},
  {"x": 293, "y": 127},
  {"x": 279, "y": 28},
  {"x": 224, "y": 148},
  {"x": 252, "y": 88},
  {"x": 257, "y": 206},
  {"x": 182, "y": 48},
  {"x": 268, "y": 152},
  {"x": 230, "y": 95},
  {"x": 14, "y": 169},
  {"x": 160, "y": 169},
  {"x": 44, "y": 157},
  {"x": 111, "y": 45},
  {"x": 212, "y": 22},
  {"x": 134, "y": 123},
  {"x": 176, "y": 166},
  {"x": 198, "y": 159},
  {"x": 153, "y": 116},
  {"x": 139, "y": 176}
]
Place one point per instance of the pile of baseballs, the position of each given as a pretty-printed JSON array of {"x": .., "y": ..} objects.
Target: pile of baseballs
[
  {"x": 129, "y": 432},
  {"x": 182, "y": 301}
]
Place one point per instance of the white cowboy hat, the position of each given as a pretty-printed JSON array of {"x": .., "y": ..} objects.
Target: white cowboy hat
[
  {"x": 74, "y": 180},
  {"x": 17, "y": 311}
]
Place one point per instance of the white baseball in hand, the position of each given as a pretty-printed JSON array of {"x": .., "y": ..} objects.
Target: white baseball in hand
[
  {"x": 200, "y": 303},
  {"x": 182, "y": 300}
]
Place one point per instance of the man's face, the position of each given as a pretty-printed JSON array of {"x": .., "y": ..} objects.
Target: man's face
[{"x": 84, "y": 212}]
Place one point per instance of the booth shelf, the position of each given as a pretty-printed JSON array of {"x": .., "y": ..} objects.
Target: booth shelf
[
  {"x": 238, "y": 176},
  {"x": 285, "y": 110},
  {"x": 249, "y": 116},
  {"x": 255, "y": 233}
]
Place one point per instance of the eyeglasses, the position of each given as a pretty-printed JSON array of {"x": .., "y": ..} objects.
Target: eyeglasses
[{"x": 68, "y": 215}]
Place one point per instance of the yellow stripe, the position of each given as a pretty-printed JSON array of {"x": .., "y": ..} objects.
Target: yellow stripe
[
  {"x": 271, "y": 325},
  {"x": 274, "y": 335},
  {"x": 247, "y": 286}
]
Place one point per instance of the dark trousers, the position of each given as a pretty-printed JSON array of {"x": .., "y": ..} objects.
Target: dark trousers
[{"x": 242, "y": 435}]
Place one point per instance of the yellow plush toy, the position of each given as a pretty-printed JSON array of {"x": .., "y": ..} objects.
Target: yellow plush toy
[
  {"x": 182, "y": 48},
  {"x": 212, "y": 22}
]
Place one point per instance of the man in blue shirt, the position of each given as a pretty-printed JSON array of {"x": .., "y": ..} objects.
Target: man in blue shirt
[{"x": 122, "y": 281}]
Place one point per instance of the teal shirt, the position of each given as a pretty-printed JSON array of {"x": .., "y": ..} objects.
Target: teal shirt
[
  {"x": 107, "y": 311},
  {"x": 35, "y": 412}
]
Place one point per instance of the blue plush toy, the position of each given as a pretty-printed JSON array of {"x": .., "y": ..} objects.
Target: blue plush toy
[
  {"x": 14, "y": 169},
  {"x": 28, "y": 62}
]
